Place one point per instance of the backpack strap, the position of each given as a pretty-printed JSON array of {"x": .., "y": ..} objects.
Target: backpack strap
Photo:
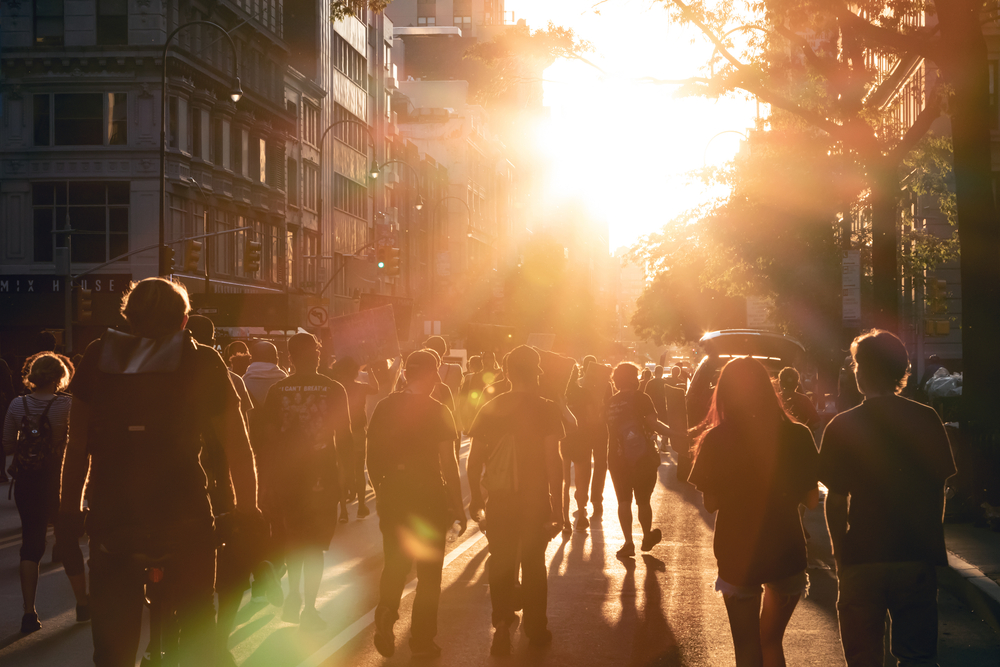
[{"x": 45, "y": 412}]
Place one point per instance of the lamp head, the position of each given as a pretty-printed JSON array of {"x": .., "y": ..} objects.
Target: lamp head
[
  {"x": 420, "y": 203},
  {"x": 236, "y": 94},
  {"x": 374, "y": 170}
]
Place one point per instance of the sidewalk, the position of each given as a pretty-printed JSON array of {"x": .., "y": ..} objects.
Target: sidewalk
[{"x": 974, "y": 572}]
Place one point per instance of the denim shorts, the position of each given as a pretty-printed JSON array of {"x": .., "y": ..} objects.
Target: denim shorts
[{"x": 796, "y": 584}]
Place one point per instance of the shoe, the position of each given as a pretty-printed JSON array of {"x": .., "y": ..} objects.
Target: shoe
[
  {"x": 268, "y": 584},
  {"x": 363, "y": 511},
  {"x": 583, "y": 522},
  {"x": 567, "y": 528},
  {"x": 82, "y": 613},
  {"x": 627, "y": 551},
  {"x": 501, "y": 641},
  {"x": 310, "y": 621},
  {"x": 541, "y": 638},
  {"x": 385, "y": 640},
  {"x": 290, "y": 610},
  {"x": 425, "y": 648},
  {"x": 651, "y": 539},
  {"x": 29, "y": 623}
]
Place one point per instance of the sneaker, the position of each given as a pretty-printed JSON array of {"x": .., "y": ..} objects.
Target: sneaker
[
  {"x": 29, "y": 623},
  {"x": 627, "y": 551},
  {"x": 291, "y": 609},
  {"x": 425, "y": 648},
  {"x": 583, "y": 522},
  {"x": 82, "y": 613},
  {"x": 268, "y": 584},
  {"x": 310, "y": 621},
  {"x": 363, "y": 511},
  {"x": 501, "y": 641},
  {"x": 385, "y": 640},
  {"x": 651, "y": 539}
]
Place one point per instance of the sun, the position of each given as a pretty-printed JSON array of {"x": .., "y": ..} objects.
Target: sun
[{"x": 624, "y": 147}]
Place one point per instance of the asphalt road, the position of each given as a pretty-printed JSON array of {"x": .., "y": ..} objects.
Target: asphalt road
[{"x": 659, "y": 610}]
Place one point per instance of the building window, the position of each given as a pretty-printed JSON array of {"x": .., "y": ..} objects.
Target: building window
[
  {"x": 349, "y": 196},
  {"x": 49, "y": 26},
  {"x": 293, "y": 182},
  {"x": 99, "y": 210},
  {"x": 293, "y": 111},
  {"x": 426, "y": 20},
  {"x": 350, "y": 63},
  {"x": 463, "y": 21},
  {"x": 80, "y": 119},
  {"x": 310, "y": 257},
  {"x": 196, "y": 138},
  {"x": 353, "y": 134},
  {"x": 310, "y": 181},
  {"x": 238, "y": 144},
  {"x": 112, "y": 22},
  {"x": 311, "y": 130},
  {"x": 258, "y": 159}
]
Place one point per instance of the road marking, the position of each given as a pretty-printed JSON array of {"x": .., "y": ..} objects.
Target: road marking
[{"x": 360, "y": 625}]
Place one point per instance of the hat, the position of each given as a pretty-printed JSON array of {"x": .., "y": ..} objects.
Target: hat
[
  {"x": 524, "y": 360},
  {"x": 420, "y": 364}
]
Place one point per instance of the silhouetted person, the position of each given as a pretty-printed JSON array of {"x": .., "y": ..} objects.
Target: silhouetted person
[
  {"x": 796, "y": 404},
  {"x": 140, "y": 405},
  {"x": 885, "y": 464},
  {"x": 755, "y": 466},
  {"x": 34, "y": 432},
  {"x": 263, "y": 370},
  {"x": 517, "y": 435},
  {"x": 345, "y": 371},
  {"x": 418, "y": 495},
  {"x": 304, "y": 423},
  {"x": 848, "y": 394}
]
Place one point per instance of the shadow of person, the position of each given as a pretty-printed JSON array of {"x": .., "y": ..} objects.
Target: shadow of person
[{"x": 654, "y": 644}]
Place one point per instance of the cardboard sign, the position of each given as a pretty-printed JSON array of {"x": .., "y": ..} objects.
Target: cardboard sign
[{"x": 365, "y": 336}]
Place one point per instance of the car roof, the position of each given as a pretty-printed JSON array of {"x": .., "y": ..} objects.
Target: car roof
[{"x": 751, "y": 342}]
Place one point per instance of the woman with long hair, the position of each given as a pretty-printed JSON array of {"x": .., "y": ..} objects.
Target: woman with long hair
[
  {"x": 755, "y": 466},
  {"x": 42, "y": 417}
]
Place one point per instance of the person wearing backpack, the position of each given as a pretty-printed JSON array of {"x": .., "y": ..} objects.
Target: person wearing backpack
[
  {"x": 34, "y": 433},
  {"x": 516, "y": 435},
  {"x": 141, "y": 403}
]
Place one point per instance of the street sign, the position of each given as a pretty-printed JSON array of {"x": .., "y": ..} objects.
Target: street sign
[{"x": 318, "y": 316}]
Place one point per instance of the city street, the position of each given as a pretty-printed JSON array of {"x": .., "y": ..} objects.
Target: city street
[{"x": 661, "y": 610}]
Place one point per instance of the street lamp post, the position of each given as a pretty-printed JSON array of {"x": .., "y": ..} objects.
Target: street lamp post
[
  {"x": 235, "y": 95},
  {"x": 419, "y": 205}
]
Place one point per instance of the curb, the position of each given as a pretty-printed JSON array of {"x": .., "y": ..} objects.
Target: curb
[{"x": 968, "y": 583}]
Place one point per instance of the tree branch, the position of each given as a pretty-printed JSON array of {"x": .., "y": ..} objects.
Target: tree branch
[
  {"x": 916, "y": 42},
  {"x": 916, "y": 132}
]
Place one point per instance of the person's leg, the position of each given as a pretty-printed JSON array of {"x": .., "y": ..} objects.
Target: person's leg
[
  {"x": 912, "y": 602},
  {"x": 582, "y": 477},
  {"x": 623, "y": 492},
  {"x": 396, "y": 565},
  {"x": 293, "y": 602},
  {"x": 600, "y": 473},
  {"x": 774, "y": 616},
  {"x": 643, "y": 484},
  {"x": 424, "y": 617},
  {"x": 504, "y": 542},
  {"x": 190, "y": 580},
  {"x": 30, "y": 507},
  {"x": 534, "y": 582},
  {"x": 744, "y": 622},
  {"x": 116, "y": 601},
  {"x": 861, "y": 610},
  {"x": 566, "y": 481},
  {"x": 360, "y": 480},
  {"x": 312, "y": 575}
]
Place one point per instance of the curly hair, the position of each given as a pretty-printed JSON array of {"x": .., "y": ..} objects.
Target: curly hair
[{"x": 44, "y": 368}]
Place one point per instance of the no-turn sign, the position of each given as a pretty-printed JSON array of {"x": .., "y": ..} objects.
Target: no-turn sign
[{"x": 318, "y": 316}]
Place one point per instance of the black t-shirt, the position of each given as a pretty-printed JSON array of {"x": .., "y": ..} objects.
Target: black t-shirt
[
  {"x": 530, "y": 419},
  {"x": 891, "y": 456},
  {"x": 305, "y": 418},
  {"x": 144, "y": 438},
  {"x": 627, "y": 413},
  {"x": 404, "y": 465},
  {"x": 758, "y": 485},
  {"x": 655, "y": 390}
]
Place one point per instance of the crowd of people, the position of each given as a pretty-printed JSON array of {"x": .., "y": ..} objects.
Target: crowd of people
[{"x": 230, "y": 471}]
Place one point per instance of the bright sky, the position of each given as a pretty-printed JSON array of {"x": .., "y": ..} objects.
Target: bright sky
[{"x": 621, "y": 146}]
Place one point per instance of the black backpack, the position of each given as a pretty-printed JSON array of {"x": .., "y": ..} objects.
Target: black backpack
[{"x": 34, "y": 440}]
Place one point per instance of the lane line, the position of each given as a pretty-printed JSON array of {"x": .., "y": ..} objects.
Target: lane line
[{"x": 360, "y": 625}]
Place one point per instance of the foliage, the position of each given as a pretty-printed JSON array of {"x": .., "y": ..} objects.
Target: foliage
[{"x": 341, "y": 9}]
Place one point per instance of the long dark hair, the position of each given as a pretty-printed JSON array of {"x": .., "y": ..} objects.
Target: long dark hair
[{"x": 745, "y": 400}]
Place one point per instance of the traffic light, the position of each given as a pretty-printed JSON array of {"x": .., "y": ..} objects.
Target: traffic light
[
  {"x": 192, "y": 255},
  {"x": 84, "y": 305},
  {"x": 167, "y": 259},
  {"x": 251, "y": 257},
  {"x": 380, "y": 253},
  {"x": 392, "y": 262}
]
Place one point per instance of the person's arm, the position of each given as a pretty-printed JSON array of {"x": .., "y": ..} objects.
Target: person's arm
[
  {"x": 474, "y": 467},
  {"x": 568, "y": 418},
  {"x": 231, "y": 431},
  {"x": 453, "y": 481},
  {"x": 811, "y": 498},
  {"x": 554, "y": 469},
  {"x": 76, "y": 463},
  {"x": 373, "y": 378},
  {"x": 10, "y": 424},
  {"x": 836, "y": 521},
  {"x": 653, "y": 424}
]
